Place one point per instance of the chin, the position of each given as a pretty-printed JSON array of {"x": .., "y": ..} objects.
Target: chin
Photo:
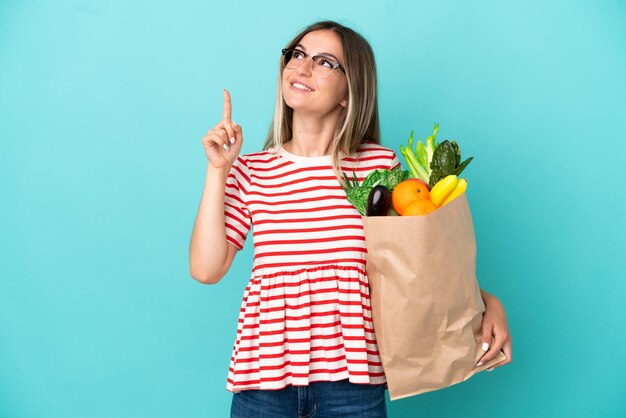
[
  {"x": 295, "y": 104},
  {"x": 305, "y": 105}
]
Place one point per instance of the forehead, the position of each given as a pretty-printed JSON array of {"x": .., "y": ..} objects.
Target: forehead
[{"x": 322, "y": 41}]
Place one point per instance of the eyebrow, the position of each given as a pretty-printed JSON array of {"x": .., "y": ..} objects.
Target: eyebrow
[{"x": 321, "y": 53}]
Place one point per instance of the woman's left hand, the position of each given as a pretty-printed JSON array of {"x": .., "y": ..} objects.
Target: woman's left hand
[{"x": 495, "y": 331}]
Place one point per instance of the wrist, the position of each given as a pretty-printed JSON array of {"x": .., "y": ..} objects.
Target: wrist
[
  {"x": 486, "y": 297},
  {"x": 213, "y": 171}
]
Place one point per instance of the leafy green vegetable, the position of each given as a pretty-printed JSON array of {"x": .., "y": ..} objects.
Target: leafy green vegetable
[
  {"x": 419, "y": 160},
  {"x": 433, "y": 161},
  {"x": 422, "y": 157},
  {"x": 443, "y": 163},
  {"x": 431, "y": 146},
  {"x": 387, "y": 178},
  {"x": 357, "y": 194},
  {"x": 457, "y": 152},
  {"x": 462, "y": 166}
]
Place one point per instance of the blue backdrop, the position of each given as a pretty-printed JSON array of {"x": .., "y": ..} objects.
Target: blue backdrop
[{"x": 103, "y": 105}]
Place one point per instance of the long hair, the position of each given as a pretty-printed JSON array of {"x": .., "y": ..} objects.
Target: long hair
[{"x": 358, "y": 121}]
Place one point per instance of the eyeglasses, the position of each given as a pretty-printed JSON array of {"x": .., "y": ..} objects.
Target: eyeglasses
[{"x": 321, "y": 65}]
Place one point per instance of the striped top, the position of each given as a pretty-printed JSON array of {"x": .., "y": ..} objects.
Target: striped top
[{"x": 305, "y": 314}]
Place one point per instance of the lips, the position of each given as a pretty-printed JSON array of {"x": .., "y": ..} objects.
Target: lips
[{"x": 299, "y": 85}]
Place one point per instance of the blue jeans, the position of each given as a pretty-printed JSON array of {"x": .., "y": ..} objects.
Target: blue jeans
[{"x": 318, "y": 400}]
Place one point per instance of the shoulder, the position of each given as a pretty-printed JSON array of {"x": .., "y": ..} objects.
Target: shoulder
[
  {"x": 374, "y": 155},
  {"x": 258, "y": 159},
  {"x": 370, "y": 148}
]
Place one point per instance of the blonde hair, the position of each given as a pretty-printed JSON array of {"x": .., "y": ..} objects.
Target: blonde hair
[{"x": 358, "y": 121}]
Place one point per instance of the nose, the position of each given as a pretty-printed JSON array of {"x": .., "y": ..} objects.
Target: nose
[{"x": 305, "y": 67}]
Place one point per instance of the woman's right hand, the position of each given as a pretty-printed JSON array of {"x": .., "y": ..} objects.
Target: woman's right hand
[{"x": 223, "y": 143}]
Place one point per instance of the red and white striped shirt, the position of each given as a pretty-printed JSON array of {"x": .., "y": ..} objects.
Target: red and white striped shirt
[{"x": 306, "y": 313}]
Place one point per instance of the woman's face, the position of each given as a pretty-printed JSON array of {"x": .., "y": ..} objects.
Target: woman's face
[{"x": 324, "y": 95}]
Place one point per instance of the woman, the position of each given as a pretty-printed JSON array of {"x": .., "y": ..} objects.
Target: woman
[{"x": 305, "y": 343}]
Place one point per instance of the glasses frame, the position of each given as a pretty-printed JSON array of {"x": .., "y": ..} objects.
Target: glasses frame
[{"x": 313, "y": 58}]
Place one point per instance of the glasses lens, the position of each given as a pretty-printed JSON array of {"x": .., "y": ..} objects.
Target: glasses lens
[
  {"x": 292, "y": 60},
  {"x": 320, "y": 65}
]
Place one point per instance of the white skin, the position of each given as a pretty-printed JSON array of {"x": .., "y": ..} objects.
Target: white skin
[
  {"x": 315, "y": 115},
  {"x": 316, "y": 112}
]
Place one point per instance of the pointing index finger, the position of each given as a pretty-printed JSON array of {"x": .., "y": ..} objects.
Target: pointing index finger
[{"x": 227, "y": 106}]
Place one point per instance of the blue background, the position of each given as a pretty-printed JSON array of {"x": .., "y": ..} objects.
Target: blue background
[{"x": 103, "y": 106}]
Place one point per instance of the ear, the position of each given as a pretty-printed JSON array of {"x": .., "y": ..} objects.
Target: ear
[{"x": 344, "y": 102}]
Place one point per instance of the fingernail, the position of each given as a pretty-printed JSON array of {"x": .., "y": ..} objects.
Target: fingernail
[
  {"x": 485, "y": 346},
  {"x": 232, "y": 140},
  {"x": 490, "y": 369},
  {"x": 226, "y": 147},
  {"x": 235, "y": 124},
  {"x": 480, "y": 363}
]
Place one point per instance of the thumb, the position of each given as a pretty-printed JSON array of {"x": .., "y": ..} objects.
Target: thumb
[
  {"x": 486, "y": 339},
  {"x": 238, "y": 132},
  {"x": 486, "y": 342}
]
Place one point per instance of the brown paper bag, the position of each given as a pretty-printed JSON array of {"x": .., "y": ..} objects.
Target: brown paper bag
[{"x": 426, "y": 303}]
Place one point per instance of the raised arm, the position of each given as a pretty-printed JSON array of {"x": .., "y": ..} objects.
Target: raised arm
[{"x": 210, "y": 254}]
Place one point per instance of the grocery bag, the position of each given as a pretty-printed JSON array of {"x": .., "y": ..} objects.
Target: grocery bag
[{"x": 426, "y": 303}]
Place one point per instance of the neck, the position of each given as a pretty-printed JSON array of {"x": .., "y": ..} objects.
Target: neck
[{"x": 312, "y": 135}]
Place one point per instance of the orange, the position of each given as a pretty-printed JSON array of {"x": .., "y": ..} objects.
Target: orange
[
  {"x": 408, "y": 191},
  {"x": 419, "y": 207}
]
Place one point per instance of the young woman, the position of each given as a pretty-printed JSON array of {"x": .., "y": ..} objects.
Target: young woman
[{"x": 305, "y": 343}]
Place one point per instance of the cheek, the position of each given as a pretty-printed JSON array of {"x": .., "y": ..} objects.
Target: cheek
[
  {"x": 285, "y": 87},
  {"x": 344, "y": 91},
  {"x": 283, "y": 81},
  {"x": 340, "y": 90}
]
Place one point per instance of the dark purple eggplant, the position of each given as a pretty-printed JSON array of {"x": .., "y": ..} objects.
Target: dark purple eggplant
[{"x": 378, "y": 201}]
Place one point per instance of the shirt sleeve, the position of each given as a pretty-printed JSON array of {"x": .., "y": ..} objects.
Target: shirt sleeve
[
  {"x": 236, "y": 214},
  {"x": 395, "y": 162}
]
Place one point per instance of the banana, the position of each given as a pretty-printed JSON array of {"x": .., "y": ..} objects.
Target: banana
[
  {"x": 443, "y": 188},
  {"x": 460, "y": 188}
]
